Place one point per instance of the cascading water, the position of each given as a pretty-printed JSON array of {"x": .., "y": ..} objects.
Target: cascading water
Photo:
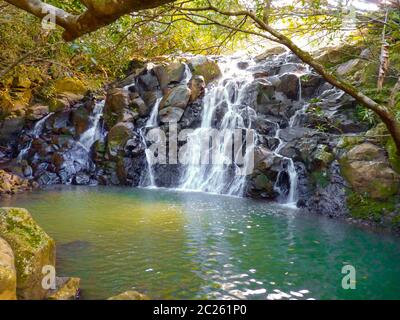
[
  {"x": 229, "y": 94},
  {"x": 148, "y": 180},
  {"x": 36, "y": 132},
  {"x": 94, "y": 132}
]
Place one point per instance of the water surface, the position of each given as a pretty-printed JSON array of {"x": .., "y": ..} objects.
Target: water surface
[{"x": 176, "y": 245}]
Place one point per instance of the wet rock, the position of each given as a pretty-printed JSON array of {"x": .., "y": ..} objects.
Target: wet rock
[
  {"x": 178, "y": 97},
  {"x": 47, "y": 178},
  {"x": 81, "y": 179},
  {"x": 170, "y": 114},
  {"x": 80, "y": 120},
  {"x": 197, "y": 87},
  {"x": 142, "y": 108},
  {"x": 8, "y": 276},
  {"x": 367, "y": 170},
  {"x": 203, "y": 66},
  {"x": 118, "y": 136},
  {"x": 33, "y": 250},
  {"x": 66, "y": 289},
  {"x": 289, "y": 86},
  {"x": 243, "y": 65},
  {"x": 328, "y": 196},
  {"x": 310, "y": 84},
  {"x": 129, "y": 295}
]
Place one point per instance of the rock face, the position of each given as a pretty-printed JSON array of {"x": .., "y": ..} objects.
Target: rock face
[
  {"x": 367, "y": 169},
  {"x": 177, "y": 97},
  {"x": 129, "y": 295},
  {"x": 33, "y": 250},
  {"x": 8, "y": 276}
]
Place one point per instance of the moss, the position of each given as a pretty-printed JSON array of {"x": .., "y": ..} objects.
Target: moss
[
  {"x": 347, "y": 142},
  {"x": 320, "y": 178},
  {"x": 394, "y": 158},
  {"x": 363, "y": 207}
]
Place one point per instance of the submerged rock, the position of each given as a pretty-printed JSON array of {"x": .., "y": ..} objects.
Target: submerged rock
[
  {"x": 129, "y": 295},
  {"x": 33, "y": 250},
  {"x": 8, "y": 276}
]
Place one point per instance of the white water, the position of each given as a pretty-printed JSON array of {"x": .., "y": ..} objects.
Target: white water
[
  {"x": 229, "y": 93},
  {"x": 94, "y": 132},
  {"x": 36, "y": 132}
]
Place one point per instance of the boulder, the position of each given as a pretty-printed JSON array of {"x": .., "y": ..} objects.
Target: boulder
[
  {"x": 349, "y": 67},
  {"x": 117, "y": 101},
  {"x": 8, "y": 275},
  {"x": 141, "y": 107},
  {"x": 118, "y": 136},
  {"x": 197, "y": 87},
  {"x": 289, "y": 85},
  {"x": 170, "y": 114},
  {"x": 203, "y": 66},
  {"x": 367, "y": 170},
  {"x": 129, "y": 295},
  {"x": 80, "y": 120},
  {"x": 169, "y": 73},
  {"x": 270, "y": 53},
  {"x": 33, "y": 250},
  {"x": 10, "y": 128},
  {"x": 178, "y": 97},
  {"x": 66, "y": 289}
]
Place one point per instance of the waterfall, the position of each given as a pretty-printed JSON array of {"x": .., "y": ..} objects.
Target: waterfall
[
  {"x": 148, "y": 180},
  {"x": 94, "y": 132},
  {"x": 228, "y": 93},
  {"x": 36, "y": 132}
]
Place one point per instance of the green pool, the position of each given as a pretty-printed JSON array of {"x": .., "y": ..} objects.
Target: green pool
[{"x": 176, "y": 245}]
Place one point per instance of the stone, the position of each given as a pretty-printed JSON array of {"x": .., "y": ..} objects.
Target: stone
[
  {"x": 270, "y": 53},
  {"x": 141, "y": 107},
  {"x": 118, "y": 136},
  {"x": 33, "y": 250},
  {"x": 80, "y": 120},
  {"x": 117, "y": 101},
  {"x": 367, "y": 170},
  {"x": 67, "y": 288},
  {"x": 169, "y": 73},
  {"x": 349, "y": 67},
  {"x": 178, "y": 97},
  {"x": 11, "y": 183},
  {"x": 129, "y": 295},
  {"x": 197, "y": 87},
  {"x": 10, "y": 128},
  {"x": 170, "y": 114},
  {"x": 8, "y": 275},
  {"x": 289, "y": 85},
  {"x": 203, "y": 66},
  {"x": 37, "y": 112}
]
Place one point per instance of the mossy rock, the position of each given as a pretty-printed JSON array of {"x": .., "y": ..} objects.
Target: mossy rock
[
  {"x": 203, "y": 66},
  {"x": 361, "y": 206},
  {"x": 367, "y": 170},
  {"x": 117, "y": 138},
  {"x": 66, "y": 289},
  {"x": 71, "y": 85},
  {"x": 33, "y": 250},
  {"x": 8, "y": 276},
  {"x": 394, "y": 157}
]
